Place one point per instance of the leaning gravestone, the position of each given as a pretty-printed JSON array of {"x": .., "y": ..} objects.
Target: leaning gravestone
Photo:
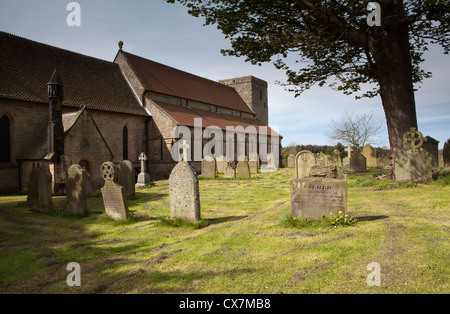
[
  {"x": 358, "y": 162},
  {"x": 291, "y": 161},
  {"x": 304, "y": 160},
  {"x": 45, "y": 189},
  {"x": 323, "y": 192},
  {"x": 253, "y": 162},
  {"x": 243, "y": 170},
  {"x": 413, "y": 163},
  {"x": 371, "y": 156},
  {"x": 76, "y": 190},
  {"x": 184, "y": 193},
  {"x": 33, "y": 185},
  {"x": 208, "y": 167},
  {"x": 126, "y": 177},
  {"x": 114, "y": 197},
  {"x": 229, "y": 171}
]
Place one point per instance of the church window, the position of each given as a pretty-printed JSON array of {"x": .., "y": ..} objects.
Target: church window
[
  {"x": 5, "y": 140},
  {"x": 125, "y": 143}
]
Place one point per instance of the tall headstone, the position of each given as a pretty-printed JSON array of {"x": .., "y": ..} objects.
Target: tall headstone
[
  {"x": 33, "y": 185},
  {"x": 346, "y": 160},
  {"x": 208, "y": 167},
  {"x": 114, "y": 197},
  {"x": 76, "y": 190},
  {"x": 253, "y": 162},
  {"x": 45, "y": 189},
  {"x": 431, "y": 146},
  {"x": 184, "y": 193},
  {"x": 291, "y": 161},
  {"x": 371, "y": 156},
  {"x": 143, "y": 176},
  {"x": 126, "y": 177},
  {"x": 242, "y": 170},
  {"x": 358, "y": 162},
  {"x": 413, "y": 163},
  {"x": 304, "y": 160},
  {"x": 321, "y": 193},
  {"x": 221, "y": 163}
]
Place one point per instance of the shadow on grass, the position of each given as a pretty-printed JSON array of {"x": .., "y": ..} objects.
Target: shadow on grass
[
  {"x": 213, "y": 221},
  {"x": 371, "y": 218}
]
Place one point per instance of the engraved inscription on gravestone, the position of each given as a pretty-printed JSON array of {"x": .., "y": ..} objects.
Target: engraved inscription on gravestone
[{"x": 114, "y": 197}]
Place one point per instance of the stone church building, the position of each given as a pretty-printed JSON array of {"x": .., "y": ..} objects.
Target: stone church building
[{"x": 62, "y": 108}]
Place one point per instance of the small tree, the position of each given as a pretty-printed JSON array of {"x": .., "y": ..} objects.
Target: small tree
[{"x": 356, "y": 130}]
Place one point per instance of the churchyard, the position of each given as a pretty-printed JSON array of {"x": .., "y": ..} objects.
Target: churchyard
[{"x": 246, "y": 241}]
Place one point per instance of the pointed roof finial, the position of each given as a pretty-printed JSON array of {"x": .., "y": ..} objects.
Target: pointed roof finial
[
  {"x": 55, "y": 79},
  {"x": 120, "y": 45}
]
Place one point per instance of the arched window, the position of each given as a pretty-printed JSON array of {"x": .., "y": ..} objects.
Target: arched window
[
  {"x": 125, "y": 143},
  {"x": 5, "y": 140}
]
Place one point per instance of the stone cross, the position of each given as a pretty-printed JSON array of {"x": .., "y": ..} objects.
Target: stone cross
[
  {"x": 349, "y": 151},
  {"x": 143, "y": 158},
  {"x": 185, "y": 147}
]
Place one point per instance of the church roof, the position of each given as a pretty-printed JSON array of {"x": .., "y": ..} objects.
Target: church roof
[
  {"x": 26, "y": 66},
  {"x": 163, "y": 79}
]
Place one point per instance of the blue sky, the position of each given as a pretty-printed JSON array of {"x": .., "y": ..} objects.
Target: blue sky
[{"x": 165, "y": 33}]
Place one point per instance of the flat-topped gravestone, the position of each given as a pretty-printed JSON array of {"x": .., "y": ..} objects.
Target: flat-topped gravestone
[
  {"x": 291, "y": 161},
  {"x": 114, "y": 197},
  {"x": 33, "y": 185},
  {"x": 143, "y": 176},
  {"x": 242, "y": 170},
  {"x": 253, "y": 163},
  {"x": 304, "y": 160},
  {"x": 358, "y": 162},
  {"x": 208, "y": 167},
  {"x": 126, "y": 177},
  {"x": 413, "y": 163},
  {"x": 371, "y": 156},
  {"x": 76, "y": 190},
  {"x": 184, "y": 193},
  {"x": 45, "y": 189},
  {"x": 229, "y": 171},
  {"x": 322, "y": 193}
]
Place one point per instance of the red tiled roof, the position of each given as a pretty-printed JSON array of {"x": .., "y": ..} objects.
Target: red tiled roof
[
  {"x": 185, "y": 116},
  {"x": 167, "y": 80},
  {"x": 26, "y": 66}
]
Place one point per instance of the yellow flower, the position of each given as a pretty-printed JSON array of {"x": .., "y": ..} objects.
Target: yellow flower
[
  {"x": 331, "y": 213},
  {"x": 346, "y": 215},
  {"x": 340, "y": 212},
  {"x": 294, "y": 218}
]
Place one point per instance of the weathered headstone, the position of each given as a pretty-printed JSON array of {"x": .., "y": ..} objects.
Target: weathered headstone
[
  {"x": 208, "y": 167},
  {"x": 229, "y": 171},
  {"x": 76, "y": 190},
  {"x": 291, "y": 161},
  {"x": 322, "y": 193},
  {"x": 221, "y": 162},
  {"x": 358, "y": 162},
  {"x": 45, "y": 188},
  {"x": 321, "y": 159},
  {"x": 304, "y": 160},
  {"x": 33, "y": 185},
  {"x": 413, "y": 163},
  {"x": 143, "y": 176},
  {"x": 114, "y": 197},
  {"x": 184, "y": 193},
  {"x": 271, "y": 161},
  {"x": 335, "y": 159},
  {"x": 371, "y": 156},
  {"x": 126, "y": 177},
  {"x": 253, "y": 162},
  {"x": 431, "y": 146},
  {"x": 242, "y": 170}
]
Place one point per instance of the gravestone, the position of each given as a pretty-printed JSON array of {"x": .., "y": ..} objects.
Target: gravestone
[
  {"x": 208, "y": 167},
  {"x": 253, "y": 163},
  {"x": 229, "y": 171},
  {"x": 45, "y": 189},
  {"x": 143, "y": 177},
  {"x": 304, "y": 160},
  {"x": 321, "y": 159},
  {"x": 335, "y": 159},
  {"x": 184, "y": 193},
  {"x": 271, "y": 162},
  {"x": 413, "y": 163},
  {"x": 291, "y": 161},
  {"x": 114, "y": 197},
  {"x": 242, "y": 170},
  {"x": 322, "y": 193},
  {"x": 126, "y": 177},
  {"x": 431, "y": 146},
  {"x": 221, "y": 162},
  {"x": 371, "y": 156},
  {"x": 358, "y": 162},
  {"x": 76, "y": 190},
  {"x": 33, "y": 185}
]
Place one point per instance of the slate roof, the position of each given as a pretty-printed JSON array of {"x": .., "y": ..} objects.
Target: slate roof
[
  {"x": 26, "y": 66},
  {"x": 163, "y": 79}
]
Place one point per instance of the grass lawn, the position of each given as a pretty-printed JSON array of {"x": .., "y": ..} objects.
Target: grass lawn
[{"x": 240, "y": 246}]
